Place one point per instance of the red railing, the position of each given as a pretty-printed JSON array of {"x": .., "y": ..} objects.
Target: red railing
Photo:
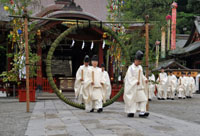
[{"x": 45, "y": 85}]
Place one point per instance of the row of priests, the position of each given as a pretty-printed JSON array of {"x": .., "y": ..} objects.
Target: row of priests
[
  {"x": 168, "y": 85},
  {"x": 92, "y": 86}
]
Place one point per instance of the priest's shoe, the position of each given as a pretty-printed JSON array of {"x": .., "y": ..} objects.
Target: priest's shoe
[
  {"x": 100, "y": 110},
  {"x": 130, "y": 115},
  {"x": 143, "y": 114},
  {"x": 146, "y": 114}
]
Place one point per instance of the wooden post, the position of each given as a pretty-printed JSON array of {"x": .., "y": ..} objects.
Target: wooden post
[
  {"x": 27, "y": 59},
  {"x": 82, "y": 74},
  {"x": 93, "y": 76},
  {"x": 147, "y": 54}
]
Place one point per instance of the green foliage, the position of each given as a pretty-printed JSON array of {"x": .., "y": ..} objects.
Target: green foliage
[
  {"x": 185, "y": 22},
  {"x": 137, "y": 10},
  {"x": 17, "y": 40},
  {"x": 193, "y": 6},
  {"x": 187, "y": 10},
  {"x": 2, "y": 57}
]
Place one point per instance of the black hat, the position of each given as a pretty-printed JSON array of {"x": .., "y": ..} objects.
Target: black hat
[
  {"x": 87, "y": 58},
  {"x": 102, "y": 65},
  {"x": 95, "y": 58},
  {"x": 139, "y": 55},
  {"x": 162, "y": 68},
  {"x": 170, "y": 71}
]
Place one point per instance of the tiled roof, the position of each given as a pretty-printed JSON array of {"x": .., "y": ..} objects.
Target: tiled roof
[
  {"x": 180, "y": 43},
  {"x": 190, "y": 48},
  {"x": 96, "y": 8},
  {"x": 197, "y": 23},
  {"x": 186, "y": 46},
  {"x": 167, "y": 63}
]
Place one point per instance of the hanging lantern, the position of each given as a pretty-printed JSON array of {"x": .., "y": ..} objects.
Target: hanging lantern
[
  {"x": 104, "y": 35},
  {"x": 6, "y": 8},
  {"x": 38, "y": 33}
]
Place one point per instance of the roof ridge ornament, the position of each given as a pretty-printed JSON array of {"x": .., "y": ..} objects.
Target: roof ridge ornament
[
  {"x": 63, "y": 1},
  {"x": 69, "y": 5},
  {"x": 72, "y": 6}
]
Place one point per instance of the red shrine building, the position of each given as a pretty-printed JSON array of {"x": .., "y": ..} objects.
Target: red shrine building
[
  {"x": 188, "y": 50},
  {"x": 67, "y": 57}
]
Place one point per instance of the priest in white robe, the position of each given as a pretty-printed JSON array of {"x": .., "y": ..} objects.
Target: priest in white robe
[
  {"x": 107, "y": 82},
  {"x": 151, "y": 86},
  {"x": 135, "y": 97},
  {"x": 172, "y": 85},
  {"x": 94, "y": 89},
  {"x": 162, "y": 85},
  {"x": 191, "y": 86},
  {"x": 81, "y": 76},
  {"x": 182, "y": 86}
]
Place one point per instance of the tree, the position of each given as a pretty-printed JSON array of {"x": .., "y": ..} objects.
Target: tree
[
  {"x": 157, "y": 11},
  {"x": 187, "y": 10},
  {"x": 17, "y": 41}
]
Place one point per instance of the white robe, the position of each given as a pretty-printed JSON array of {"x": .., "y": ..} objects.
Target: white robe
[
  {"x": 197, "y": 82},
  {"x": 151, "y": 86},
  {"x": 191, "y": 86},
  {"x": 182, "y": 87},
  {"x": 22, "y": 69},
  {"x": 94, "y": 95},
  {"x": 135, "y": 97},
  {"x": 108, "y": 84},
  {"x": 162, "y": 86},
  {"x": 172, "y": 85},
  {"x": 79, "y": 85}
]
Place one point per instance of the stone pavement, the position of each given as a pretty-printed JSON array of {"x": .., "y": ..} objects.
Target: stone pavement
[
  {"x": 13, "y": 117},
  {"x": 54, "y": 118}
]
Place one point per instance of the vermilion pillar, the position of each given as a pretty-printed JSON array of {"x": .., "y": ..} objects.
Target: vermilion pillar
[
  {"x": 39, "y": 68},
  {"x": 100, "y": 54}
]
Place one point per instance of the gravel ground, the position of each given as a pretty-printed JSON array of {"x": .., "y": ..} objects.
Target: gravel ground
[
  {"x": 13, "y": 117},
  {"x": 184, "y": 109}
]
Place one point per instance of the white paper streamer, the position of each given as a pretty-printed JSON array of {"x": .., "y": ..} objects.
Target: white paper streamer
[
  {"x": 92, "y": 45},
  {"x": 73, "y": 42},
  {"x": 104, "y": 43},
  {"x": 83, "y": 45}
]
